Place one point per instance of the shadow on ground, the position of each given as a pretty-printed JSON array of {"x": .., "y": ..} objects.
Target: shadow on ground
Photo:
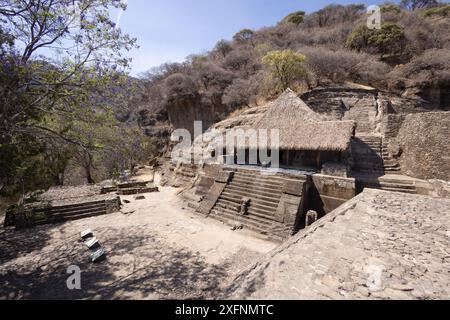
[{"x": 139, "y": 265}]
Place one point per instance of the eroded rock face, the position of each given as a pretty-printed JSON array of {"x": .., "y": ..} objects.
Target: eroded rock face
[
  {"x": 365, "y": 106},
  {"x": 184, "y": 112},
  {"x": 425, "y": 148}
]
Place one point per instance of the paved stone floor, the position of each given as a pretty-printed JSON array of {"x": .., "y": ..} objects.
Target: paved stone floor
[{"x": 380, "y": 245}]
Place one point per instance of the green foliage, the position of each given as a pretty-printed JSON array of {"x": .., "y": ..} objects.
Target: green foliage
[
  {"x": 48, "y": 104},
  {"x": 244, "y": 36},
  {"x": 359, "y": 38},
  {"x": 285, "y": 67},
  {"x": 390, "y": 8},
  {"x": 223, "y": 47},
  {"x": 389, "y": 39},
  {"x": 418, "y": 4},
  {"x": 441, "y": 11},
  {"x": 296, "y": 18}
]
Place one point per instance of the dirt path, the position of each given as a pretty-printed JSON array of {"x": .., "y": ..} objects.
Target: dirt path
[{"x": 156, "y": 251}]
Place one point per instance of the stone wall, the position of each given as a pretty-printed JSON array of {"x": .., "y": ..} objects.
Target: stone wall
[
  {"x": 331, "y": 192},
  {"x": 391, "y": 125},
  {"x": 423, "y": 140},
  {"x": 345, "y": 103}
]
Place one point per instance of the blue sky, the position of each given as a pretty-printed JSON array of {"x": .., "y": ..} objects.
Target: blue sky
[{"x": 170, "y": 30}]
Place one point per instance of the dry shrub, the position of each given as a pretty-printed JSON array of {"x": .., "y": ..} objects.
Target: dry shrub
[
  {"x": 430, "y": 68},
  {"x": 342, "y": 65}
]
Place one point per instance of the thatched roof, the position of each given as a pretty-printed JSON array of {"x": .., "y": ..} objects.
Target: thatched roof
[
  {"x": 301, "y": 128},
  {"x": 287, "y": 108}
]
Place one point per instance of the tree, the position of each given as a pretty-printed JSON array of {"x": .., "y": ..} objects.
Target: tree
[
  {"x": 37, "y": 89},
  {"x": 223, "y": 47},
  {"x": 418, "y": 4},
  {"x": 80, "y": 32},
  {"x": 296, "y": 18},
  {"x": 359, "y": 38},
  {"x": 179, "y": 86},
  {"x": 285, "y": 67},
  {"x": 389, "y": 39},
  {"x": 244, "y": 36}
]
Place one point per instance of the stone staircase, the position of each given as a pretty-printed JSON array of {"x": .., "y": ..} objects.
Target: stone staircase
[
  {"x": 367, "y": 153},
  {"x": 185, "y": 173},
  {"x": 390, "y": 164},
  {"x": 389, "y": 184},
  {"x": 264, "y": 191},
  {"x": 69, "y": 212}
]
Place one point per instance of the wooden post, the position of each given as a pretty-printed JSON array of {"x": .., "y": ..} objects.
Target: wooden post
[{"x": 318, "y": 160}]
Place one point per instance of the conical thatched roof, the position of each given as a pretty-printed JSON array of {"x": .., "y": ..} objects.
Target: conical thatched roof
[
  {"x": 286, "y": 109},
  {"x": 301, "y": 128}
]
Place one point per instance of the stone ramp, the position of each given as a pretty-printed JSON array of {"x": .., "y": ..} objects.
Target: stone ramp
[
  {"x": 274, "y": 208},
  {"x": 380, "y": 245}
]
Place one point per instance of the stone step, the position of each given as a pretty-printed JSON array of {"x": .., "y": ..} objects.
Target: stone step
[
  {"x": 233, "y": 220},
  {"x": 253, "y": 196},
  {"x": 237, "y": 198},
  {"x": 370, "y": 171},
  {"x": 262, "y": 184},
  {"x": 361, "y": 166},
  {"x": 265, "y": 176},
  {"x": 262, "y": 231},
  {"x": 414, "y": 191},
  {"x": 255, "y": 212},
  {"x": 369, "y": 160},
  {"x": 260, "y": 210},
  {"x": 72, "y": 206},
  {"x": 394, "y": 185},
  {"x": 265, "y": 180},
  {"x": 392, "y": 163},
  {"x": 78, "y": 211},
  {"x": 257, "y": 220},
  {"x": 71, "y": 218},
  {"x": 255, "y": 190},
  {"x": 92, "y": 207}
]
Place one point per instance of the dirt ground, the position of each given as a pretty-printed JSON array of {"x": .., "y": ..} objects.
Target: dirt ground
[{"x": 155, "y": 248}]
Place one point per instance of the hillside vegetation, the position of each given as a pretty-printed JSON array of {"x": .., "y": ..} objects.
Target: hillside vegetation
[
  {"x": 410, "y": 53},
  {"x": 77, "y": 116}
]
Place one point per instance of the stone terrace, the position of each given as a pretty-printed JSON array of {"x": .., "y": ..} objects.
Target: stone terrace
[{"x": 380, "y": 245}]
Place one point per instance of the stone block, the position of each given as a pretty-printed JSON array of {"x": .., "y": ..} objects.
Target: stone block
[
  {"x": 335, "y": 169},
  {"x": 288, "y": 209},
  {"x": 112, "y": 205},
  {"x": 224, "y": 177},
  {"x": 295, "y": 188}
]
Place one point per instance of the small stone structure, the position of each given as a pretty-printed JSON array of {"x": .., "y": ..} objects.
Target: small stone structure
[
  {"x": 130, "y": 188},
  {"x": 63, "y": 204},
  {"x": 270, "y": 204}
]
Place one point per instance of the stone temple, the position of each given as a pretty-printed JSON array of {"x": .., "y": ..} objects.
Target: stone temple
[{"x": 333, "y": 144}]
